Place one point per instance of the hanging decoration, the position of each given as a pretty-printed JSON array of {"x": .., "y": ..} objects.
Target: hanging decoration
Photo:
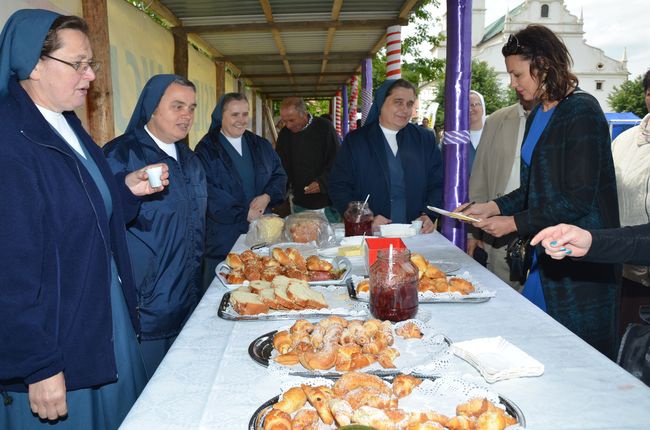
[
  {"x": 366, "y": 89},
  {"x": 394, "y": 52},
  {"x": 354, "y": 100},
  {"x": 338, "y": 113}
]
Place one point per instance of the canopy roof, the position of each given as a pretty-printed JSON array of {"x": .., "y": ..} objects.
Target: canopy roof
[{"x": 286, "y": 47}]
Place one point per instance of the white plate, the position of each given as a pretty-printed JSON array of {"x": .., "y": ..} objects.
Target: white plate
[{"x": 329, "y": 252}]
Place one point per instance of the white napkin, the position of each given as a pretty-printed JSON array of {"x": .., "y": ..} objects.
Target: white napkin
[
  {"x": 497, "y": 359},
  {"x": 397, "y": 230}
]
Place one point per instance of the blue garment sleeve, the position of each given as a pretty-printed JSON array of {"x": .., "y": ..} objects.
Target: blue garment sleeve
[
  {"x": 341, "y": 178},
  {"x": 28, "y": 350},
  {"x": 121, "y": 166},
  {"x": 277, "y": 185},
  {"x": 435, "y": 177}
]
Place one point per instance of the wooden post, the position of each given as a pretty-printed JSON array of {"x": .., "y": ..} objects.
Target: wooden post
[
  {"x": 100, "y": 95},
  {"x": 253, "y": 109},
  {"x": 180, "y": 51},
  {"x": 221, "y": 79}
]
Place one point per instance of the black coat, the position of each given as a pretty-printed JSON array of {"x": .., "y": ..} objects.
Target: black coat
[
  {"x": 571, "y": 180},
  {"x": 628, "y": 245}
]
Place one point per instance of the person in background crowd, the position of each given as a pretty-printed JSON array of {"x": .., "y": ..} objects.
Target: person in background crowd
[
  {"x": 166, "y": 238},
  {"x": 567, "y": 175},
  {"x": 495, "y": 172},
  {"x": 396, "y": 162},
  {"x": 245, "y": 178},
  {"x": 307, "y": 146},
  {"x": 476, "y": 122},
  {"x": 425, "y": 122},
  {"x": 631, "y": 152},
  {"x": 69, "y": 356}
]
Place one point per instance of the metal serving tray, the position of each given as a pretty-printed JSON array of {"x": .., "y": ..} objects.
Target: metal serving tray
[
  {"x": 257, "y": 420},
  {"x": 338, "y": 263},
  {"x": 450, "y": 299}
]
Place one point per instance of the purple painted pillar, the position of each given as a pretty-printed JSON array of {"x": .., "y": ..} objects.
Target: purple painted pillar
[
  {"x": 344, "y": 112},
  {"x": 456, "y": 138},
  {"x": 366, "y": 88}
]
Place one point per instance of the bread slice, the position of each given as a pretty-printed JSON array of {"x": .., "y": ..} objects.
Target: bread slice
[
  {"x": 257, "y": 286},
  {"x": 247, "y": 303},
  {"x": 283, "y": 299},
  {"x": 300, "y": 292},
  {"x": 267, "y": 296}
]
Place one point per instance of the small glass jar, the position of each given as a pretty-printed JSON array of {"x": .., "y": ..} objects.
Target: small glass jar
[
  {"x": 358, "y": 219},
  {"x": 393, "y": 286}
]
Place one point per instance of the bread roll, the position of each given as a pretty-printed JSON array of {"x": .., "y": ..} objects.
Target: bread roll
[
  {"x": 292, "y": 400},
  {"x": 234, "y": 261}
]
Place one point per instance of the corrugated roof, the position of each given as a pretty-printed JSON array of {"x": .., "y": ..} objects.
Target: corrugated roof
[{"x": 284, "y": 46}]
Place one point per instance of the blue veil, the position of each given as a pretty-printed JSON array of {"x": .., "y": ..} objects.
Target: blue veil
[
  {"x": 21, "y": 42},
  {"x": 380, "y": 98},
  {"x": 149, "y": 99},
  {"x": 217, "y": 114}
]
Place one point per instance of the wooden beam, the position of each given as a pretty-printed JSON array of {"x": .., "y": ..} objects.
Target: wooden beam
[
  {"x": 100, "y": 95},
  {"x": 407, "y": 8},
  {"x": 304, "y": 56},
  {"x": 289, "y": 75},
  {"x": 221, "y": 78},
  {"x": 164, "y": 13},
  {"x": 181, "y": 60},
  {"x": 294, "y": 26},
  {"x": 262, "y": 87},
  {"x": 277, "y": 38}
]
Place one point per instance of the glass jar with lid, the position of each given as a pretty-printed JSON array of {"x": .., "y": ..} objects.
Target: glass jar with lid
[
  {"x": 358, "y": 219},
  {"x": 393, "y": 285}
]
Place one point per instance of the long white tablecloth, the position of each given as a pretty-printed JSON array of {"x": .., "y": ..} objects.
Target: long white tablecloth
[{"x": 208, "y": 381}]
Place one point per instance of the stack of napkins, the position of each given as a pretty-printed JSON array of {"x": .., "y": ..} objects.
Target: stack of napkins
[
  {"x": 397, "y": 230},
  {"x": 497, "y": 359}
]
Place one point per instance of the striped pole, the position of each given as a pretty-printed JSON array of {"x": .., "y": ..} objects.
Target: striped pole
[
  {"x": 394, "y": 52},
  {"x": 338, "y": 113},
  {"x": 344, "y": 112},
  {"x": 366, "y": 89},
  {"x": 354, "y": 100}
]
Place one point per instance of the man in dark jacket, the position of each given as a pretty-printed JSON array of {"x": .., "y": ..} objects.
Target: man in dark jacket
[
  {"x": 166, "y": 239},
  {"x": 307, "y": 146}
]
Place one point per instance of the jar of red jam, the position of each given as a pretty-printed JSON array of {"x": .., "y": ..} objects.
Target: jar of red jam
[
  {"x": 358, "y": 219},
  {"x": 393, "y": 285}
]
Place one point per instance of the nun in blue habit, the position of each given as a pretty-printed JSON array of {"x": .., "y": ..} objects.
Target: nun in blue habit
[
  {"x": 396, "y": 162},
  {"x": 245, "y": 178},
  {"x": 166, "y": 239},
  {"x": 69, "y": 357}
]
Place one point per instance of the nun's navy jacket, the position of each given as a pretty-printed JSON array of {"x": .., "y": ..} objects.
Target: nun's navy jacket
[
  {"x": 166, "y": 239},
  {"x": 361, "y": 168},
  {"x": 55, "y": 247},
  {"x": 227, "y": 205}
]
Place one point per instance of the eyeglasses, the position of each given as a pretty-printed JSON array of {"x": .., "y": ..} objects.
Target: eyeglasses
[
  {"x": 80, "y": 66},
  {"x": 512, "y": 46},
  {"x": 476, "y": 104}
]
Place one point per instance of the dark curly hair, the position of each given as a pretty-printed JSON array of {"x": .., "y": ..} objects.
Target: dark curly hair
[
  {"x": 550, "y": 61},
  {"x": 646, "y": 81}
]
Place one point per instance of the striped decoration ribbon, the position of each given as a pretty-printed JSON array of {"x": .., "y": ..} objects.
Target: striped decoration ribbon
[{"x": 394, "y": 52}]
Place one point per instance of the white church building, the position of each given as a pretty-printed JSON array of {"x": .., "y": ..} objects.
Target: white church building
[{"x": 597, "y": 73}]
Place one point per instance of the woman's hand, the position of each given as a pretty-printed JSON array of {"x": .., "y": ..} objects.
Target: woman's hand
[
  {"x": 47, "y": 398},
  {"x": 138, "y": 181},
  {"x": 381, "y": 220},
  {"x": 427, "y": 224},
  {"x": 258, "y": 206},
  {"x": 472, "y": 244},
  {"x": 480, "y": 211},
  {"x": 313, "y": 188},
  {"x": 497, "y": 226},
  {"x": 562, "y": 240}
]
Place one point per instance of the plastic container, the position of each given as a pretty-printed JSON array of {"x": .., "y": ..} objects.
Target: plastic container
[
  {"x": 358, "y": 219},
  {"x": 393, "y": 286},
  {"x": 374, "y": 244}
]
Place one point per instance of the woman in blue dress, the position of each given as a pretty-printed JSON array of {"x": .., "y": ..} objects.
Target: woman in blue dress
[
  {"x": 567, "y": 175},
  {"x": 244, "y": 174},
  {"x": 69, "y": 357}
]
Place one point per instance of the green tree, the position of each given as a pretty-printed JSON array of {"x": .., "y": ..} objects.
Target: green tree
[
  {"x": 485, "y": 81},
  {"x": 629, "y": 97}
]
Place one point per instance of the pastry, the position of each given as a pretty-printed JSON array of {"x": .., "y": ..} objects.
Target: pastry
[
  {"x": 292, "y": 400},
  {"x": 277, "y": 420}
]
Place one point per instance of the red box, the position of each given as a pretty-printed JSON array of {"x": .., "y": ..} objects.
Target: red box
[{"x": 374, "y": 244}]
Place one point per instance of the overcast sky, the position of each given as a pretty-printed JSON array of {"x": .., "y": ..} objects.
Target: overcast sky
[{"x": 610, "y": 25}]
